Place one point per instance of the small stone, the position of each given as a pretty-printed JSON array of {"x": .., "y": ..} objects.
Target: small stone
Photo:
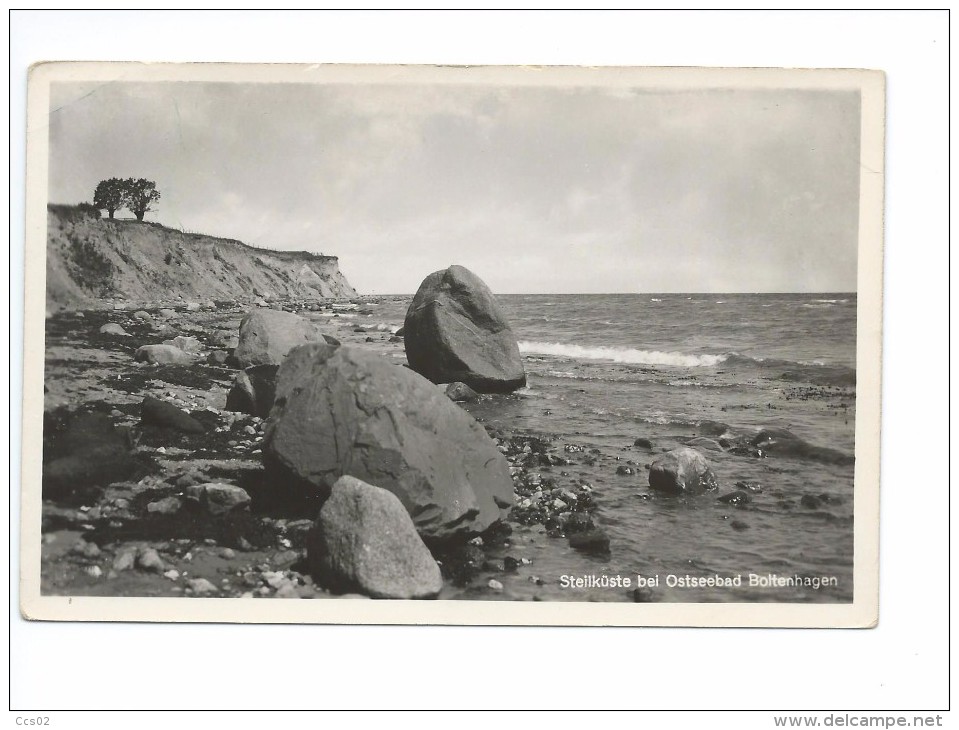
[
  {"x": 287, "y": 591},
  {"x": 643, "y": 443},
  {"x": 218, "y": 498},
  {"x": 150, "y": 560},
  {"x": 274, "y": 579},
  {"x": 125, "y": 559},
  {"x": 285, "y": 558},
  {"x": 171, "y": 574},
  {"x": 86, "y": 549},
  {"x": 93, "y": 571},
  {"x": 495, "y": 585},
  {"x": 112, "y": 328},
  {"x": 201, "y": 586},
  {"x": 165, "y": 506},
  {"x": 227, "y": 553},
  {"x": 739, "y": 526}
]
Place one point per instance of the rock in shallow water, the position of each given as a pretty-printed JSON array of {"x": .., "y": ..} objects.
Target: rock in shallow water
[
  {"x": 349, "y": 411},
  {"x": 461, "y": 392},
  {"x": 364, "y": 540},
  {"x": 455, "y": 331},
  {"x": 682, "y": 470}
]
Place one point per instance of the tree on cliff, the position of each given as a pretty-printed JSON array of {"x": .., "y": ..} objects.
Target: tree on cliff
[
  {"x": 110, "y": 194},
  {"x": 141, "y": 194}
]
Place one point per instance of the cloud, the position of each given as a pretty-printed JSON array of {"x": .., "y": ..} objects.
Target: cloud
[{"x": 538, "y": 189}]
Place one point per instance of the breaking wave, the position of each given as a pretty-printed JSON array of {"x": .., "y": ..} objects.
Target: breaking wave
[{"x": 620, "y": 354}]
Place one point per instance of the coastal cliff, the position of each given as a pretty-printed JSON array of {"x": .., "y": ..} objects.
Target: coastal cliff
[{"x": 91, "y": 259}]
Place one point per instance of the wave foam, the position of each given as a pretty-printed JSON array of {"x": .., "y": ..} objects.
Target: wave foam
[{"x": 620, "y": 354}]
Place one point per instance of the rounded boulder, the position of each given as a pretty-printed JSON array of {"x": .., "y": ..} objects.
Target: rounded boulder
[
  {"x": 682, "y": 470},
  {"x": 364, "y": 540},
  {"x": 343, "y": 410},
  {"x": 267, "y": 335},
  {"x": 455, "y": 331}
]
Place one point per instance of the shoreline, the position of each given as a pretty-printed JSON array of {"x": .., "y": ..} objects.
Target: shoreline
[{"x": 264, "y": 555}]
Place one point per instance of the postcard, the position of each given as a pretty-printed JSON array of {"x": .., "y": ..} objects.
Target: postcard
[{"x": 452, "y": 345}]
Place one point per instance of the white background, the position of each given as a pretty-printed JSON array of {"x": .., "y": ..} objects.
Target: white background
[{"x": 899, "y": 666}]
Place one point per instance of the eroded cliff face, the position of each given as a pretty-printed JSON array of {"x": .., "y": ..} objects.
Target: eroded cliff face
[{"x": 90, "y": 259}]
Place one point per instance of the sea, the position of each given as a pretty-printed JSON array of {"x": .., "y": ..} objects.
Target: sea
[{"x": 605, "y": 370}]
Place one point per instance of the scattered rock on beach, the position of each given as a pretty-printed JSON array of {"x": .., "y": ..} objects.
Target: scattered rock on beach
[
  {"x": 682, "y": 470},
  {"x": 253, "y": 390},
  {"x": 162, "y": 355},
  {"x": 455, "y": 331},
  {"x": 218, "y": 498},
  {"x": 267, "y": 335},
  {"x": 461, "y": 392},
  {"x": 364, "y": 540},
  {"x": 165, "y": 506},
  {"x": 112, "y": 328},
  {"x": 643, "y": 443},
  {"x": 349, "y": 411},
  {"x": 156, "y": 412},
  {"x": 86, "y": 450},
  {"x": 188, "y": 344},
  {"x": 150, "y": 560}
]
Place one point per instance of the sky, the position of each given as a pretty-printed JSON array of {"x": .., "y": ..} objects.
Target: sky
[{"x": 535, "y": 189}]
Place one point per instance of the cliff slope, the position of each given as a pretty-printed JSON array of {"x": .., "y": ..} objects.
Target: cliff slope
[{"x": 90, "y": 258}]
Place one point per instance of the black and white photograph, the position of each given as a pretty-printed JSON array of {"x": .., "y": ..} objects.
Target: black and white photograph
[{"x": 534, "y": 345}]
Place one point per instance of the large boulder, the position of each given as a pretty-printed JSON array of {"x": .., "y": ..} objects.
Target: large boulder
[
  {"x": 682, "y": 470},
  {"x": 253, "y": 390},
  {"x": 455, "y": 331},
  {"x": 266, "y": 335},
  {"x": 364, "y": 541},
  {"x": 349, "y": 411}
]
